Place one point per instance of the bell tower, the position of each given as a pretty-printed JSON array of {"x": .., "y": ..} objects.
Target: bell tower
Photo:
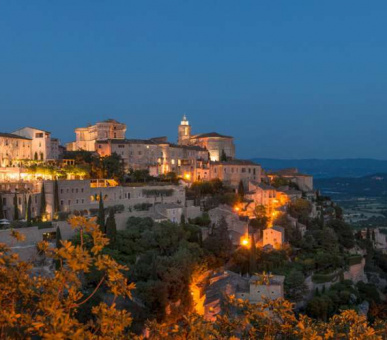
[{"x": 184, "y": 132}]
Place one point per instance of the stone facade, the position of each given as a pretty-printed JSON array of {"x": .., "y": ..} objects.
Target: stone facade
[
  {"x": 214, "y": 142},
  {"x": 231, "y": 172},
  {"x": 274, "y": 237},
  {"x": 87, "y": 137},
  {"x": 157, "y": 155},
  {"x": 43, "y": 147},
  {"x": 80, "y": 195},
  {"x": 13, "y": 148}
]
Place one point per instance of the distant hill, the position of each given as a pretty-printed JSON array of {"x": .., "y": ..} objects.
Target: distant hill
[
  {"x": 326, "y": 168},
  {"x": 367, "y": 186}
]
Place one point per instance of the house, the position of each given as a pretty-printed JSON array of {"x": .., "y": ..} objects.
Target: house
[
  {"x": 254, "y": 289},
  {"x": 274, "y": 236},
  {"x": 236, "y": 227},
  {"x": 43, "y": 147}
]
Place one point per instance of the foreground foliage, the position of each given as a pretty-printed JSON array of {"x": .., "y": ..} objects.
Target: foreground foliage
[{"x": 46, "y": 306}]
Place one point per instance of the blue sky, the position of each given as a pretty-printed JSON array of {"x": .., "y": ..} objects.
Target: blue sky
[{"x": 288, "y": 79}]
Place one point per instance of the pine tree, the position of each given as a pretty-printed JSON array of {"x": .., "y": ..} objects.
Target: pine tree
[
  {"x": 43, "y": 203},
  {"x": 111, "y": 227},
  {"x": 1, "y": 208},
  {"x": 16, "y": 208},
  {"x": 58, "y": 246},
  {"x": 29, "y": 210},
  {"x": 241, "y": 190},
  {"x": 253, "y": 256},
  {"x": 101, "y": 214},
  {"x": 56, "y": 197},
  {"x": 182, "y": 219}
]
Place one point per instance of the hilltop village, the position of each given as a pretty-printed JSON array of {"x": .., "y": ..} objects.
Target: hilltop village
[{"x": 194, "y": 223}]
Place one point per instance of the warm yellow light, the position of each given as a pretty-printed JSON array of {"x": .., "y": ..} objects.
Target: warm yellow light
[
  {"x": 236, "y": 208},
  {"x": 245, "y": 241},
  {"x": 187, "y": 176}
]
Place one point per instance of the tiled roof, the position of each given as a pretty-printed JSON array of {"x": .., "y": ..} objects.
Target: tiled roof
[
  {"x": 236, "y": 162},
  {"x": 12, "y": 135},
  {"x": 210, "y": 134}
]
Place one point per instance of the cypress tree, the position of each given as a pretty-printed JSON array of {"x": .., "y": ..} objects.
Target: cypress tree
[
  {"x": 182, "y": 219},
  {"x": 15, "y": 208},
  {"x": 58, "y": 246},
  {"x": 101, "y": 214},
  {"x": 25, "y": 206},
  {"x": 56, "y": 197},
  {"x": 373, "y": 235},
  {"x": 29, "y": 210},
  {"x": 241, "y": 190},
  {"x": 1, "y": 208},
  {"x": 368, "y": 235},
  {"x": 111, "y": 227},
  {"x": 43, "y": 203},
  {"x": 253, "y": 256},
  {"x": 223, "y": 157}
]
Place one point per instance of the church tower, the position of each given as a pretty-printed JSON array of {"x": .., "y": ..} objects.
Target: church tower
[{"x": 184, "y": 132}]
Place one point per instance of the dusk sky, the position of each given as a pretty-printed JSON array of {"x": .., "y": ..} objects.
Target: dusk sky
[{"x": 288, "y": 79}]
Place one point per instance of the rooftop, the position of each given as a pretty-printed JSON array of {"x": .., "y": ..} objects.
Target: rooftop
[
  {"x": 211, "y": 134},
  {"x": 236, "y": 162},
  {"x": 11, "y": 135}
]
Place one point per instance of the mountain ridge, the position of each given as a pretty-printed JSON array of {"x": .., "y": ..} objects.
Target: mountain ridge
[{"x": 328, "y": 168}]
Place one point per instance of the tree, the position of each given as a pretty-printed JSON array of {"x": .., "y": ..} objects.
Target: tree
[
  {"x": 113, "y": 167},
  {"x": 43, "y": 203},
  {"x": 241, "y": 190},
  {"x": 253, "y": 257},
  {"x": 219, "y": 242},
  {"x": 261, "y": 220},
  {"x": 56, "y": 197},
  {"x": 223, "y": 157},
  {"x": 300, "y": 208},
  {"x": 101, "y": 214},
  {"x": 1, "y": 208},
  {"x": 58, "y": 244},
  {"x": 111, "y": 227},
  {"x": 46, "y": 308},
  {"x": 182, "y": 219},
  {"x": 295, "y": 287},
  {"x": 15, "y": 208},
  {"x": 29, "y": 210}
]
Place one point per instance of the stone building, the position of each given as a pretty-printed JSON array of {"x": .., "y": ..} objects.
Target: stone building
[
  {"x": 43, "y": 147},
  {"x": 237, "y": 228},
  {"x": 81, "y": 195},
  {"x": 86, "y": 137},
  {"x": 262, "y": 194},
  {"x": 274, "y": 237},
  {"x": 263, "y": 286},
  {"x": 215, "y": 143},
  {"x": 14, "y": 148},
  {"x": 22, "y": 191},
  {"x": 303, "y": 181},
  {"x": 157, "y": 155},
  {"x": 253, "y": 289},
  {"x": 232, "y": 172}
]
